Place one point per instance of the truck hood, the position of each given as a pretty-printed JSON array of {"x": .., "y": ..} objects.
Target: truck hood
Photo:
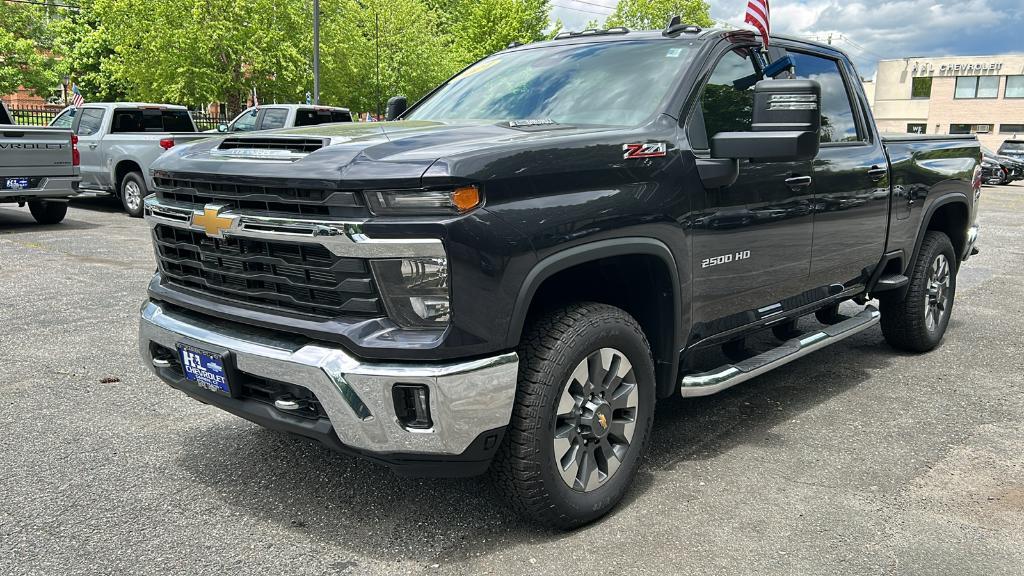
[{"x": 369, "y": 155}]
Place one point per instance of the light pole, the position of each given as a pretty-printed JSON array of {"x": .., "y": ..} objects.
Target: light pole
[{"x": 316, "y": 51}]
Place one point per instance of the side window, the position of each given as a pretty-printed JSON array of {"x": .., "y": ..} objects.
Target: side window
[
  {"x": 838, "y": 124},
  {"x": 65, "y": 120},
  {"x": 727, "y": 102},
  {"x": 92, "y": 119},
  {"x": 306, "y": 117},
  {"x": 246, "y": 122},
  {"x": 274, "y": 118}
]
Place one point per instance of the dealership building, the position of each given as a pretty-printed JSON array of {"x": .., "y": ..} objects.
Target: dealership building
[{"x": 981, "y": 95}]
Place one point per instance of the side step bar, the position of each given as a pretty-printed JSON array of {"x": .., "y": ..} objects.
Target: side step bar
[{"x": 723, "y": 377}]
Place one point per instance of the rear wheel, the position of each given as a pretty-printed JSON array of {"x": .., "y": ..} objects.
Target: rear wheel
[
  {"x": 918, "y": 321},
  {"x": 582, "y": 415},
  {"x": 47, "y": 211},
  {"x": 133, "y": 190}
]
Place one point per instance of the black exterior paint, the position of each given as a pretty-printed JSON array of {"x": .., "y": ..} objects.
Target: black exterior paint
[{"x": 555, "y": 196}]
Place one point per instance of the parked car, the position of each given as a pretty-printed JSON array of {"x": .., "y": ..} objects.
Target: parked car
[
  {"x": 38, "y": 167},
  {"x": 511, "y": 275},
  {"x": 118, "y": 142},
  {"x": 273, "y": 116},
  {"x": 1012, "y": 148},
  {"x": 1010, "y": 168},
  {"x": 992, "y": 172}
]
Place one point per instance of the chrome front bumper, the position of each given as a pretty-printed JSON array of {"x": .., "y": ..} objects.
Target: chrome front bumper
[{"x": 466, "y": 398}]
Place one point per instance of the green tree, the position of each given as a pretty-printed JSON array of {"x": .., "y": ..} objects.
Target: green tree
[
  {"x": 25, "y": 58},
  {"x": 654, "y": 14},
  {"x": 484, "y": 27},
  {"x": 87, "y": 54}
]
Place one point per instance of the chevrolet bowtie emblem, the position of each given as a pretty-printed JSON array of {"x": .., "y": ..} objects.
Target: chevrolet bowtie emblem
[
  {"x": 211, "y": 221},
  {"x": 603, "y": 420}
]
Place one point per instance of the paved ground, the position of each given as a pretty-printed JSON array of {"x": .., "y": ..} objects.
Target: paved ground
[{"x": 855, "y": 460}]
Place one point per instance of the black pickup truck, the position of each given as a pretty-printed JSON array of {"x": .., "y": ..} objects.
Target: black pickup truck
[{"x": 510, "y": 276}]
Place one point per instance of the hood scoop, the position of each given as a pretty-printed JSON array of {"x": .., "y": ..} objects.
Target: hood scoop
[{"x": 267, "y": 146}]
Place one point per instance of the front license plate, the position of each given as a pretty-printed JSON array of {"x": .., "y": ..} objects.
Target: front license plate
[
  {"x": 16, "y": 183},
  {"x": 206, "y": 369}
]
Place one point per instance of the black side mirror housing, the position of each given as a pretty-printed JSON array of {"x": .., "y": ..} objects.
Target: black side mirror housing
[
  {"x": 396, "y": 107},
  {"x": 786, "y": 120}
]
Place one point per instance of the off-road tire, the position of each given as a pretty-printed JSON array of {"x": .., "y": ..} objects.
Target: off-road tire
[
  {"x": 903, "y": 320},
  {"x": 46, "y": 212},
  {"x": 524, "y": 469},
  {"x": 132, "y": 205}
]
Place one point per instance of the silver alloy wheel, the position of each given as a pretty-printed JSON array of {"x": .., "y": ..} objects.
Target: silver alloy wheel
[
  {"x": 132, "y": 195},
  {"x": 936, "y": 298},
  {"x": 596, "y": 419}
]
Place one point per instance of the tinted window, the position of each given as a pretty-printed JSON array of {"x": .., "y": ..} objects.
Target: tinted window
[
  {"x": 4, "y": 118},
  {"x": 246, "y": 122},
  {"x": 1011, "y": 128},
  {"x": 610, "y": 83},
  {"x": 838, "y": 123},
  {"x": 727, "y": 101},
  {"x": 921, "y": 87},
  {"x": 312, "y": 116},
  {"x": 65, "y": 119},
  {"x": 92, "y": 119},
  {"x": 341, "y": 116},
  {"x": 274, "y": 118},
  {"x": 152, "y": 121},
  {"x": 960, "y": 128}
]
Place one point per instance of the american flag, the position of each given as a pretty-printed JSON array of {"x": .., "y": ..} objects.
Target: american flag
[
  {"x": 759, "y": 16},
  {"x": 76, "y": 96}
]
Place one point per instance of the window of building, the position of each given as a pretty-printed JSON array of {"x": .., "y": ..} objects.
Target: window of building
[
  {"x": 1014, "y": 87},
  {"x": 921, "y": 87},
  {"x": 977, "y": 87},
  {"x": 1011, "y": 128},
  {"x": 970, "y": 128},
  {"x": 916, "y": 128},
  {"x": 838, "y": 123}
]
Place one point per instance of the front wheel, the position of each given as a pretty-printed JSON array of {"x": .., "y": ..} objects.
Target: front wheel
[
  {"x": 133, "y": 190},
  {"x": 47, "y": 212},
  {"x": 918, "y": 321},
  {"x": 582, "y": 415}
]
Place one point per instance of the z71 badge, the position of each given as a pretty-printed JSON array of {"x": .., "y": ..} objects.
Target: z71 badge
[{"x": 650, "y": 150}]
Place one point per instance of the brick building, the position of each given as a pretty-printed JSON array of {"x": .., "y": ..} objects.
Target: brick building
[{"x": 981, "y": 95}]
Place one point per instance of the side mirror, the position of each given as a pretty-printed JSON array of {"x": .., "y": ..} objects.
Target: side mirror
[
  {"x": 787, "y": 118},
  {"x": 396, "y": 106},
  {"x": 222, "y": 128}
]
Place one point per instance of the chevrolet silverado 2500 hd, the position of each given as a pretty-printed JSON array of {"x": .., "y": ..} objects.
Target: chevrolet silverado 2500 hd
[
  {"x": 119, "y": 141},
  {"x": 38, "y": 167},
  {"x": 512, "y": 275}
]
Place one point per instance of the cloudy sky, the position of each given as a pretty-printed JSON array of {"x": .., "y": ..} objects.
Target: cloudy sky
[{"x": 867, "y": 30}]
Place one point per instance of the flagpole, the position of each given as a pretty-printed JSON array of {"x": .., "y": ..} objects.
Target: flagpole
[{"x": 316, "y": 52}]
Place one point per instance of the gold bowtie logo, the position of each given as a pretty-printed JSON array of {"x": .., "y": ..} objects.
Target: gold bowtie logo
[
  {"x": 212, "y": 222},
  {"x": 603, "y": 420}
]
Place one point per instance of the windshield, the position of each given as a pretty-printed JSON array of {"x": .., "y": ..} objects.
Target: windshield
[
  {"x": 1012, "y": 146},
  {"x": 617, "y": 83}
]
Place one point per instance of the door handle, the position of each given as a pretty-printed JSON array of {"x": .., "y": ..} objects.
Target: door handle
[
  {"x": 93, "y": 146},
  {"x": 798, "y": 182},
  {"x": 876, "y": 173}
]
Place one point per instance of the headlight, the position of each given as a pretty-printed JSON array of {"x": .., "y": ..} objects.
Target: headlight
[
  {"x": 415, "y": 290},
  {"x": 416, "y": 202}
]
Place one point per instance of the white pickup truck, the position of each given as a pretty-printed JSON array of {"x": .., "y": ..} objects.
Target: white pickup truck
[
  {"x": 119, "y": 140},
  {"x": 38, "y": 167},
  {"x": 274, "y": 116}
]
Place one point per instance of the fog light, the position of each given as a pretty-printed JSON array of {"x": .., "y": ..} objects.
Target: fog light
[
  {"x": 415, "y": 291},
  {"x": 412, "y": 405}
]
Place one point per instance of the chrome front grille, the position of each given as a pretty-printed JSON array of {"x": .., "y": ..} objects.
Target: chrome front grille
[{"x": 297, "y": 277}]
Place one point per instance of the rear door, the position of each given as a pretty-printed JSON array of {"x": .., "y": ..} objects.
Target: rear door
[
  {"x": 751, "y": 240},
  {"x": 851, "y": 184},
  {"x": 89, "y": 127}
]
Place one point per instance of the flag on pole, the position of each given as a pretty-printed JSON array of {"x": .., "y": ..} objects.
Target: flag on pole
[
  {"x": 759, "y": 16},
  {"x": 255, "y": 98},
  {"x": 76, "y": 96}
]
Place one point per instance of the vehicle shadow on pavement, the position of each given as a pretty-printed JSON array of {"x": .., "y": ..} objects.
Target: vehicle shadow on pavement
[
  {"x": 20, "y": 220},
  {"x": 364, "y": 507}
]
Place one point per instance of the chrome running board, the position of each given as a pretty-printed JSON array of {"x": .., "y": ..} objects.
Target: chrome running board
[{"x": 729, "y": 375}]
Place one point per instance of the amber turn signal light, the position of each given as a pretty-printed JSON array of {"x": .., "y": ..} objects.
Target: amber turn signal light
[{"x": 466, "y": 198}]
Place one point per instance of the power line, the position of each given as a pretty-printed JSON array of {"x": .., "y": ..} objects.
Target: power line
[
  {"x": 581, "y": 9},
  {"x": 39, "y": 3},
  {"x": 592, "y": 4}
]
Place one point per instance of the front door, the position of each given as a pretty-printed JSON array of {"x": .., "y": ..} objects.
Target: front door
[{"x": 751, "y": 240}]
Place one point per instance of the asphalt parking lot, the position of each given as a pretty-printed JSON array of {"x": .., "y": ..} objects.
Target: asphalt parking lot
[{"x": 854, "y": 460}]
